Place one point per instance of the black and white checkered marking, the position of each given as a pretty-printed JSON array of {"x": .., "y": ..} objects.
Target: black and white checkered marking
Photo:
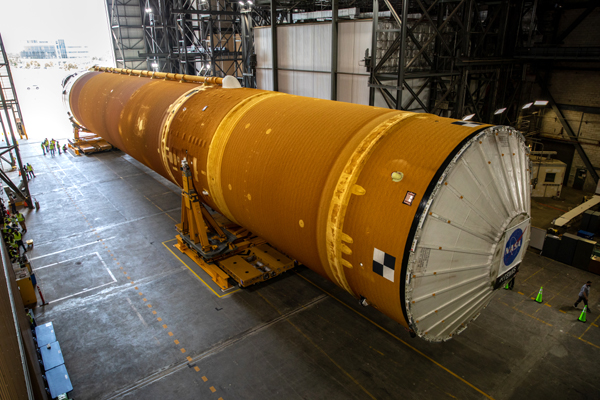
[
  {"x": 467, "y": 124},
  {"x": 384, "y": 264}
]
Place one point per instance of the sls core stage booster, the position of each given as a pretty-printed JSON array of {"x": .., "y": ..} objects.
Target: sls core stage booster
[{"x": 420, "y": 216}]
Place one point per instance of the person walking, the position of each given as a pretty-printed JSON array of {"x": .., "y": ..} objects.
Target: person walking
[
  {"x": 21, "y": 221},
  {"x": 52, "y": 147},
  {"x": 12, "y": 204},
  {"x": 44, "y": 147},
  {"x": 58, "y": 147},
  {"x": 30, "y": 171},
  {"x": 47, "y": 145},
  {"x": 584, "y": 295}
]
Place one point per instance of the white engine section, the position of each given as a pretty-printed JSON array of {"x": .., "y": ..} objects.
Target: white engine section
[{"x": 472, "y": 234}]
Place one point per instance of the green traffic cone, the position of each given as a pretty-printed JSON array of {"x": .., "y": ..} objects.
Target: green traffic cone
[
  {"x": 506, "y": 286},
  {"x": 582, "y": 316},
  {"x": 539, "y": 296}
]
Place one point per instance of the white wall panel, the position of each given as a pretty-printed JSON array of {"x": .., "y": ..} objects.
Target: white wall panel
[
  {"x": 321, "y": 47},
  {"x": 286, "y": 81},
  {"x": 304, "y": 47},
  {"x": 353, "y": 89},
  {"x": 353, "y": 39},
  {"x": 309, "y": 84},
  {"x": 264, "y": 79},
  {"x": 285, "y": 46},
  {"x": 307, "y": 47},
  {"x": 262, "y": 47},
  {"x": 321, "y": 86}
]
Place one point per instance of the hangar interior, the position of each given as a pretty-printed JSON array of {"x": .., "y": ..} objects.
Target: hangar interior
[{"x": 126, "y": 286}]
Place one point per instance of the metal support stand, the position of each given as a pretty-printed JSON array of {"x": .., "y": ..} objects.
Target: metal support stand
[{"x": 228, "y": 253}]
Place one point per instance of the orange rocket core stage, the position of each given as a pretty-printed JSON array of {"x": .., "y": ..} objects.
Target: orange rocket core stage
[{"x": 326, "y": 182}]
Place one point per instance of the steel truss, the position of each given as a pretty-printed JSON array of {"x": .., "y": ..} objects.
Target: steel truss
[
  {"x": 453, "y": 57},
  {"x": 125, "y": 18},
  {"x": 10, "y": 115},
  {"x": 457, "y": 53},
  {"x": 193, "y": 37}
]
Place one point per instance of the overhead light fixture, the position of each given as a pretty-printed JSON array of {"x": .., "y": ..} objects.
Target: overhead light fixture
[
  {"x": 241, "y": 3},
  {"x": 468, "y": 117},
  {"x": 526, "y": 106},
  {"x": 148, "y": 10},
  {"x": 250, "y": 2},
  {"x": 540, "y": 103},
  {"x": 500, "y": 111}
]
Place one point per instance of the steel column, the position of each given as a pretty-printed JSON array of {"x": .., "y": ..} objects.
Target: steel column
[
  {"x": 23, "y": 193},
  {"x": 274, "y": 45},
  {"x": 402, "y": 61},
  {"x": 464, "y": 79},
  {"x": 5, "y": 132},
  {"x": 372, "y": 79},
  {"x": 334, "y": 48}
]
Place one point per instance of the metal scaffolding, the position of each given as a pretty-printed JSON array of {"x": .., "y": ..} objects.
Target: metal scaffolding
[
  {"x": 452, "y": 58},
  {"x": 125, "y": 18},
  {"x": 194, "y": 37},
  {"x": 459, "y": 50},
  {"x": 11, "y": 119}
]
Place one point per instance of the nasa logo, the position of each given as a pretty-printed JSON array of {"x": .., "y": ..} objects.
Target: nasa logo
[{"x": 513, "y": 246}]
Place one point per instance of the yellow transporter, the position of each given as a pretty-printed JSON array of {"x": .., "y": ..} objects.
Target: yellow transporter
[{"x": 420, "y": 216}]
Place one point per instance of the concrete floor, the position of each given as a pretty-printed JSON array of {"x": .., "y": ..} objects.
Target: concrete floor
[{"x": 137, "y": 320}]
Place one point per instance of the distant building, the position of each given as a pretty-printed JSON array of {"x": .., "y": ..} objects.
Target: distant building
[
  {"x": 77, "y": 52},
  {"x": 39, "y": 49},
  {"x": 61, "y": 49},
  {"x": 44, "y": 49}
]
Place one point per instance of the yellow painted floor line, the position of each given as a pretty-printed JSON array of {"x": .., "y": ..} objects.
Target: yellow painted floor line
[
  {"x": 564, "y": 287},
  {"x": 376, "y": 350},
  {"x": 193, "y": 272},
  {"x": 319, "y": 348},
  {"x": 588, "y": 328},
  {"x": 541, "y": 269},
  {"x": 529, "y": 315},
  {"x": 564, "y": 312},
  {"x": 585, "y": 341},
  {"x": 401, "y": 341}
]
